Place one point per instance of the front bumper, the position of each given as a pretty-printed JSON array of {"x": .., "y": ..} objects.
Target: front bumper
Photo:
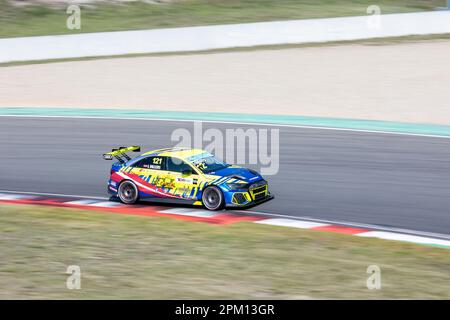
[
  {"x": 251, "y": 203},
  {"x": 256, "y": 193}
]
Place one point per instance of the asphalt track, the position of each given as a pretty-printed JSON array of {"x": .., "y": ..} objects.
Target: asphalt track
[{"x": 388, "y": 180}]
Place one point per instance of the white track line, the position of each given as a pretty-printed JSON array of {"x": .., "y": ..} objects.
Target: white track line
[
  {"x": 13, "y": 196},
  {"x": 53, "y": 194},
  {"x": 404, "y": 237},
  {"x": 292, "y": 223},
  {"x": 235, "y": 122},
  {"x": 106, "y": 204},
  {"x": 353, "y": 224},
  {"x": 282, "y": 222},
  {"x": 190, "y": 212},
  {"x": 84, "y": 202}
]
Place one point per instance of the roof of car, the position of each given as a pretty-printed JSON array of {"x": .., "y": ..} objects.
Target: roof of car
[{"x": 177, "y": 152}]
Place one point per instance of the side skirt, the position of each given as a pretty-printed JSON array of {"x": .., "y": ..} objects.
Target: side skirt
[{"x": 169, "y": 200}]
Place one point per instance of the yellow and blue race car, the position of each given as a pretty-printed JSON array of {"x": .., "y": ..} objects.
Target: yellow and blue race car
[{"x": 183, "y": 175}]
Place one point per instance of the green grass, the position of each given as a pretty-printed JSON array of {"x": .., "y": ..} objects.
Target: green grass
[
  {"x": 160, "y": 258},
  {"x": 44, "y": 20}
]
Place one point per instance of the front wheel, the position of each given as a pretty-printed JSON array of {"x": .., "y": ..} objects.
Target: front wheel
[
  {"x": 128, "y": 192},
  {"x": 212, "y": 198}
]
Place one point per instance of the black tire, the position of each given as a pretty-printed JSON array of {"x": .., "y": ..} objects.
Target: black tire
[
  {"x": 128, "y": 192},
  {"x": 212, "y": 198}
]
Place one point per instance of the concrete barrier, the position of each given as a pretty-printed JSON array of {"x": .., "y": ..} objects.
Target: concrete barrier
[{"x": 222, "y": 36}]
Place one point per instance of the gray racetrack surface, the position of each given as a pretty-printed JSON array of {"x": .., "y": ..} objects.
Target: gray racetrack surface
[{"x": 374, "y": 178}]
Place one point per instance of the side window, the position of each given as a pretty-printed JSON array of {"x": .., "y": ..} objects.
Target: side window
[
  {"x": 177, "y": 165},
  {"x": 155, "y": 163}
]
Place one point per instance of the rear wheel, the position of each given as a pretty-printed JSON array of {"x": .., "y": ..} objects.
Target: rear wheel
[
  {"x": 128, "y": 192},
  {"x": 212, "y": 198}
]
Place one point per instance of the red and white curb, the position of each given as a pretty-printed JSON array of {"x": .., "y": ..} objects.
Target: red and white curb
[
  {"x": 360, "y": 232},
  {"x": 191, "y": 214},
  {"x": 217, "y": 217}
]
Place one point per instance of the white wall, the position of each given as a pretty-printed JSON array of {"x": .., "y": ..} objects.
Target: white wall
[{"x": 221, "y": 36}]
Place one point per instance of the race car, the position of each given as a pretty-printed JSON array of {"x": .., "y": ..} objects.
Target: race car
[{"x": 183, "y": 175}]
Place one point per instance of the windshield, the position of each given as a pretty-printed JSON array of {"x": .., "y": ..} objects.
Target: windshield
[{"x": 209, "y": 164}]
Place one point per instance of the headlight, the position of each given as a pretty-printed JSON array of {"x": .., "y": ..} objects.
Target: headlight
[{"x": 237, "y": 186}]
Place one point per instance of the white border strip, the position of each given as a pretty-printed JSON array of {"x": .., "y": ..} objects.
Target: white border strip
[
  {"x": 52, "y": 194},
  {"x": 292, "y": 223},
  {"x": 233, "y": 122},
  {"x": 404, "y": 237},
  {"x": 222, "y": 36},
  {"x": 352, "y": 224}
]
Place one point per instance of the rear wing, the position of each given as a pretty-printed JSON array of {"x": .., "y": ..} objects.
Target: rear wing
[{"x": 121, "y": 153}]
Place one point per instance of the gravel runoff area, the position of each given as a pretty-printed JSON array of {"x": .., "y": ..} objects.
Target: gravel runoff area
[{"x": 403, "y": 82}]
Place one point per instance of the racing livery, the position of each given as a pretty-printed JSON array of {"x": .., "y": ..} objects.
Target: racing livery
[{"x": 183, "y": 175}]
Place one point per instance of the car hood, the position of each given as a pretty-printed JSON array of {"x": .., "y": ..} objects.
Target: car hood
[{"x": 240, "y": 173}]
